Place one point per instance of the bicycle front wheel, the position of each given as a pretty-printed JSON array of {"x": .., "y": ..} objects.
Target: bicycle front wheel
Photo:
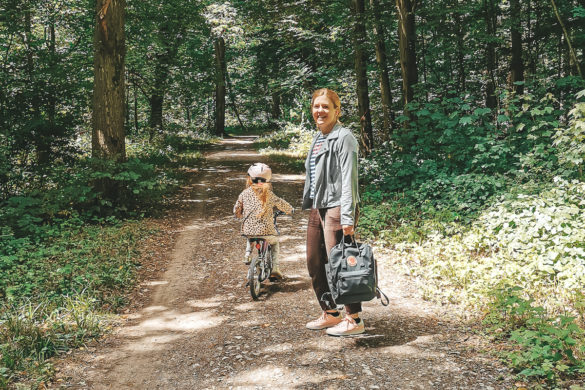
[{"x": 254, "y": 277}]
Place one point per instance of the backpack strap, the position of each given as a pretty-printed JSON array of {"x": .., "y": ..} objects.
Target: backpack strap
[{"x": 382, "y": 297}]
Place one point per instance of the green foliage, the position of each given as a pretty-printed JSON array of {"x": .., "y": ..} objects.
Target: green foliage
[
  {"x": 31, "y": 333},
  {"x": 97, "y": 259},
  {"x": 571, "y": 141},
  {"x": 54, "y": 291},
  {"x": 534, "y": 241},
  {"x": 545, "y": 347},
  {"x": 75, "y": 191},
  {"x": 294, "y": 140},
  {"x": 287, "y": 147}
]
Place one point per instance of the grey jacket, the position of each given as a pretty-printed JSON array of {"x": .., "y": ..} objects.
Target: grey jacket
[{"x": 336, "y": 174}]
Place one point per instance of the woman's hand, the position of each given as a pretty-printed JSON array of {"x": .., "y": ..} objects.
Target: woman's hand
[{"x": 348, "y": 230}]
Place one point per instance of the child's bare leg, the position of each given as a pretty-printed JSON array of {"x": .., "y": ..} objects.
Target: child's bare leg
[{"x": 248, "y": 252}]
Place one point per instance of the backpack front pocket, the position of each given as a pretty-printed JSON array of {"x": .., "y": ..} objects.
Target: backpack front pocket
[{"x": 358, "y": 284}]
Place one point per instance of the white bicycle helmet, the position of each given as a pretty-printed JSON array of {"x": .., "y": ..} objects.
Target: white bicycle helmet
[{"x": 260, "y": 170}]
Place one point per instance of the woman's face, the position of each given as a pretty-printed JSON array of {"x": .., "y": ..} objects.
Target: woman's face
[{"x": 324, "y": 113}]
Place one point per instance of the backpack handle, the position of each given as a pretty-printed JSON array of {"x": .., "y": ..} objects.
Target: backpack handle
[{"x": 350, "y": 244}]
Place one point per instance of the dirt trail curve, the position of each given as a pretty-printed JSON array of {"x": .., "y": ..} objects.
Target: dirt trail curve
[{"x": 202, "y": 330}]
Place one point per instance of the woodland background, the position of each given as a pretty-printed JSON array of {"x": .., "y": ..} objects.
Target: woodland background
[{"x": 470, "y": 116}]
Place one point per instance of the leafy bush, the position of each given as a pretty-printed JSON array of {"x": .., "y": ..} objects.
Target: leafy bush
[
  {"x": 571, "y": 141},
  {"x": 31, "y": 333},
  {"x": 293, "y": 138},
  {"x": 96, "y": 259},
  {"x": 533, "y": 241},
  {"x": 545, "y": 347}
]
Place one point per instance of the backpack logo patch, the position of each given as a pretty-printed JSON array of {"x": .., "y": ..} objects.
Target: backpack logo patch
[{"x": 351, "y": 261}]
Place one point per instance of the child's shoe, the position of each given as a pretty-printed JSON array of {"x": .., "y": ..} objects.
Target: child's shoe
[{"x": 276, "y": 274}]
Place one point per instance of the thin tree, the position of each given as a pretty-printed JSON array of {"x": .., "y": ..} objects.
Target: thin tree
[
  {"x": 459, "y": 33},
  {"x": 573, "y": 56},
  {"x": 360, "y": 62},
  {"x": 382, "y": 60},
  {"x": 516, "y": 62},
  {"x": 407, "y": 46},
  {"x": 220, "y": 88},
  {"x": 490, "y": 18}
]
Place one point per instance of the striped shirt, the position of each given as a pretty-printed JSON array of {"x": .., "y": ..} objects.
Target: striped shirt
[{"x": 318, "y": 144}]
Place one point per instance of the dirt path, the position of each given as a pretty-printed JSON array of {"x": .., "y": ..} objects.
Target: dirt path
[{"x": 201, "y": 329}]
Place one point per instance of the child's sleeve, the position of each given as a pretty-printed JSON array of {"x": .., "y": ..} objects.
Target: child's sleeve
[
  {"x": 239, "y": 207},
  {"x": 282, "y": 205}
]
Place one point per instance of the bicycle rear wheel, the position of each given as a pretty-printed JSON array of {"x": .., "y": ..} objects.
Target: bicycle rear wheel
[{"x": 254, "y": 277}]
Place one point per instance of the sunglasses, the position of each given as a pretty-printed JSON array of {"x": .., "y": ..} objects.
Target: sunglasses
[{"x": 257, "y": 180}]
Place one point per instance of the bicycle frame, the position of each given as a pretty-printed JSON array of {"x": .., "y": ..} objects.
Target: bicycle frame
[{"x": 261, "y": 265}]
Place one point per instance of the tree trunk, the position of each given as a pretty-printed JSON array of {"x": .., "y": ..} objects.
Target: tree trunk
[
  {"x": 155, "y": 121},
  {"x": 39, "y": 133},
  {"x": 220, "y": 67},
  {"x": 159, "y": 88},
  {"x": 572, "y": 55},
  {"x": 108, "y": 138},
  {"x": 135, "y": 108},
  {"x": 516, "y": 63},
  {"x": 381, "y": 59},
  {"x": 275, "y": 109},
  {"x": 360, "y": 62},
  {"x": 407, "y": 46},
  {"x": 52, "y": 100},
  {"x": 459, "y": 32},
  {"x": 490, "y": 54}
]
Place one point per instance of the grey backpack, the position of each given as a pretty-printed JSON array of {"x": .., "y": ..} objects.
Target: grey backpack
[{"x": 352, "y": 274}]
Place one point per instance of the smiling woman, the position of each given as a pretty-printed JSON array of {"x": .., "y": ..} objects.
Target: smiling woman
[
  {"x": 331, "y": 194},
  {"x": 325, "y": 108}
]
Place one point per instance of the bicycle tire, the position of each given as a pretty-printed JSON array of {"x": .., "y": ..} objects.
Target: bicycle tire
[
  {"x": 268, "y": 262},
  {"x": 254, "y": 278}
]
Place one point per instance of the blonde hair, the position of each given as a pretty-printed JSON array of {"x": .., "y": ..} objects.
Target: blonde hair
[
  {"x": 262, "y": 193},
  {"x": 331, "y": 95}
]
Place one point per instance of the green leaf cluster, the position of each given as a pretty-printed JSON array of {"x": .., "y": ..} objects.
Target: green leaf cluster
[{"x": 544, "y": 346}]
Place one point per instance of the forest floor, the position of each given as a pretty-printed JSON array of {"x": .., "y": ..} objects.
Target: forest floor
[{"x": 192, "y": 324}]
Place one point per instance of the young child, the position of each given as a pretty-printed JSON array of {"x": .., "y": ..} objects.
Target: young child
[{"x": 256, "y": 206}]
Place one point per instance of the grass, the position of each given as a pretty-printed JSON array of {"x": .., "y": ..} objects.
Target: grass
[{"x": 64, "y": 278}]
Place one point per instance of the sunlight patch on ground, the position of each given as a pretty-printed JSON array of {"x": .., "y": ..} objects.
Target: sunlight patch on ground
[
  {"x": 206, "y": 200},
  {"x": 328, "y": 344},
  {"x": 155, "y": 283},
  {"x": 430, "y": 338},
  {"x": 155, "y": 309},
  {"x": 205, "y": 304},
  {"x": 174, "y": 321},
  {"x": 151, "y": 343},
  {"x": 245, "y": 307},
  {"x": 202, "y": 225},
  {"x": 232, "y": 155},
  {"x": 240, "y": 140},
  {"x": 273, "y": 375},
  {"x": 288, "y": 177},
  {"x": 277, "y": 348},
  {"x": 218, "y": 170}
]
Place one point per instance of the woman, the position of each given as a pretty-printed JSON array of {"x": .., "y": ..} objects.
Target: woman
[{"x": 331, "y": 194}]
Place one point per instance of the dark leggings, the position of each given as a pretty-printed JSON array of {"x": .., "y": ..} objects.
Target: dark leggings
[{"x": 323, "y": 233}]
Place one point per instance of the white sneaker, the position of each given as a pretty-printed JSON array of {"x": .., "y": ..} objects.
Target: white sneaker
[
  {"x": 347, "y": 327},
  {"x": 327, "y": 320}
]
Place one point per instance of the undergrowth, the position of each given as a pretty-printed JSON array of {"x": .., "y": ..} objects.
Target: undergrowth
[
  {"x": 498, "y": 212},
  {"x": 69, "y": 253}
]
